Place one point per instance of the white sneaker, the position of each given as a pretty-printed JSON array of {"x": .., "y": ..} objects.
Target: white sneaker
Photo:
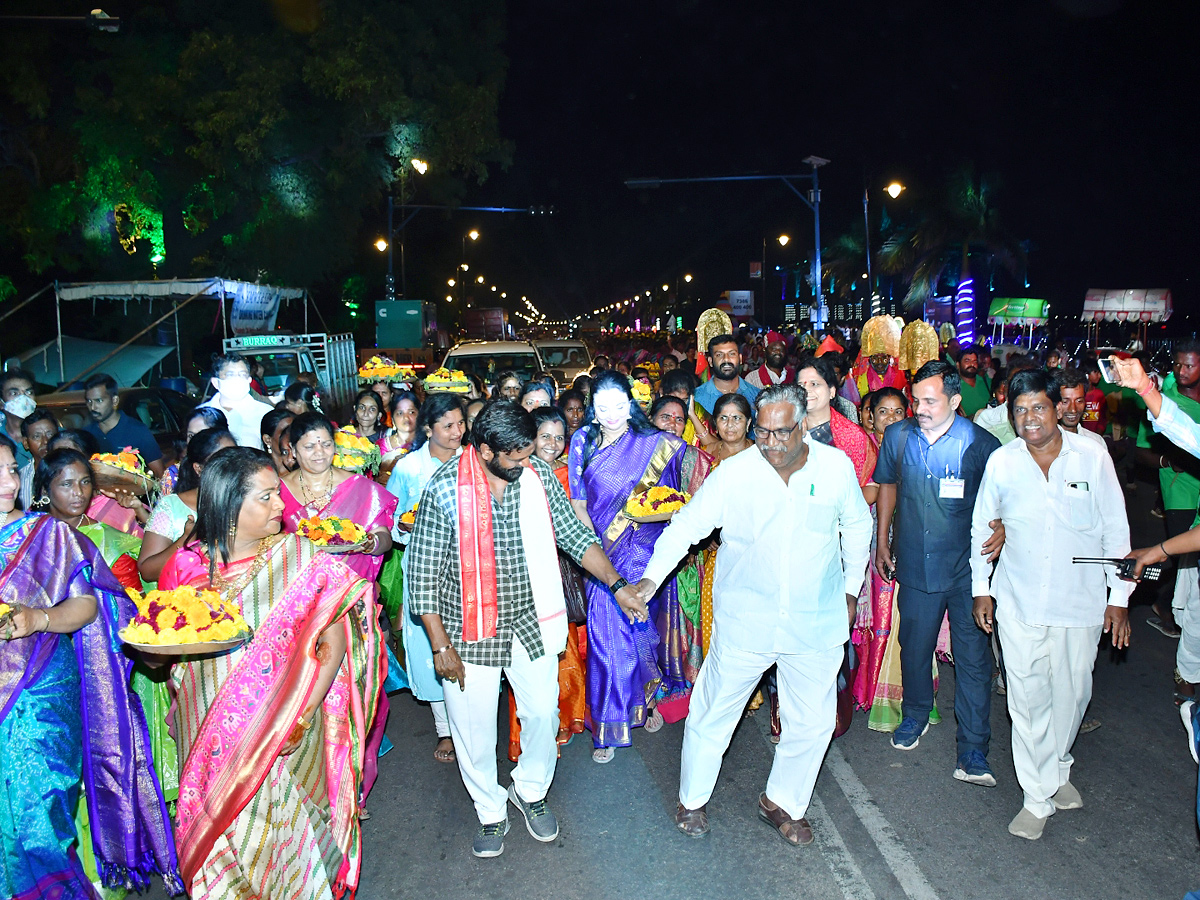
[{"x": 1185, "y": 713}]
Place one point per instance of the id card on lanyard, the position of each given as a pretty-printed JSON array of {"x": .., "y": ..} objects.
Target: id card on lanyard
[{"x": 951, "y": 488}]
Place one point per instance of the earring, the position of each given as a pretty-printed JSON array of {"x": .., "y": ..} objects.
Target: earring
[{"x": 232, "y": 533}]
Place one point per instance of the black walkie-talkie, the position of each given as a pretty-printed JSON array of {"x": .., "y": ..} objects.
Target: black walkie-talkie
[{"x": 1124, "y": 567}]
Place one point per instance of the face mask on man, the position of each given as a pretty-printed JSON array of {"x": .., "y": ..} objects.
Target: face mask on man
[
  {"x": 233, "y": 388},
  {"x": 20, "y": 406}
]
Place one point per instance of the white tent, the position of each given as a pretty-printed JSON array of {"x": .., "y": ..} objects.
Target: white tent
[
  {"x": 126, "y": 366},
  {"x": 254, "y": 307}
]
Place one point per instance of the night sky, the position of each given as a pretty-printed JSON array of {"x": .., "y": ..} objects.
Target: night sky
[{"x": 1084, "y": 109}]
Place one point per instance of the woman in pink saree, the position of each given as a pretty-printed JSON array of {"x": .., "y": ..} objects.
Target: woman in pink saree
[
  {"x": 272, "y": 733},
  {"x": 317, "y": 488}
]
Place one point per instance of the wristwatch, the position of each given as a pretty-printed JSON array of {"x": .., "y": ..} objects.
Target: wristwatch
[{"x": 617, "y": 585}]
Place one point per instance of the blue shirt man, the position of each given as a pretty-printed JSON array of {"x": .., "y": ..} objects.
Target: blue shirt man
[
  {"x": 726, "y": 363},
  {"x": 113, "y": 429},
  {"x": 929, "y": 471}
]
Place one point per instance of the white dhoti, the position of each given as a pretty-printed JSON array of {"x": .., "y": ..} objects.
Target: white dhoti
[
  {"x": 807, "y": 712},
  {"x": 1186, "y": 606},
  {"x": 1049, "y": 686}
]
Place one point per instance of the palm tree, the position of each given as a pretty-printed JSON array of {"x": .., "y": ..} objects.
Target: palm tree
[{"x": 940, "y": 244}]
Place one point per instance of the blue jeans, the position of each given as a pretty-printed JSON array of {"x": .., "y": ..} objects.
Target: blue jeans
[{"x": 920, "y": 621}]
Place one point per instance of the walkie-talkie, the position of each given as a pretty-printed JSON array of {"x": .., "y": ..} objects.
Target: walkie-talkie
[{"x": 1124, "y": 567}]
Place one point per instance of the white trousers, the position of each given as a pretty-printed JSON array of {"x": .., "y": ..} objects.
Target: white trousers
[
  {"x": 472, "y": 713},
  {"x": 1049, "y": 687},
  {"x": 441, "y": 724},
  {"x": 807, "y": 712},
  {"x": 1186, "y": 606}
]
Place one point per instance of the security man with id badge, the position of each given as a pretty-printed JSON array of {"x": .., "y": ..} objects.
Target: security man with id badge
[{"x": 928, "y": 472}]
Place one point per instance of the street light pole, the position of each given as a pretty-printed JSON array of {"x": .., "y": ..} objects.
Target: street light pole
[
  {"x": 391, "y": 280},
  {"x": 811, "y": 198}
]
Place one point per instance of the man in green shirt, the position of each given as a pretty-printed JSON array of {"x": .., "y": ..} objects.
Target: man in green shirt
[
  {"x": 1178, "y": 476},
  {"x": 976, "y": 389}
]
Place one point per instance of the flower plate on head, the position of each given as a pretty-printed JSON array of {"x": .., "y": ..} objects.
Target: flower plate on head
[
  {"x": 184, "y": 621},
  {"x": 354, "y": 453},
  {"x": 657, "y": 504},
  {"x": 125, "y": 470},
  {"x": 383, "y": 368},
  {"x": 332, "y": 534},
  {"x": 451, "y": 380}
]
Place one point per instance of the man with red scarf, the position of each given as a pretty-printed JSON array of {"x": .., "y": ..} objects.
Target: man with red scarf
[
  {"x": 483, "y": 578},
  {"x": 775, "y": 369}
]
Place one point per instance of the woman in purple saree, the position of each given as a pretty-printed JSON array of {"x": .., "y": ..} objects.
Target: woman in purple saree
[
  {"x": 68, "y": 719},
  {"x": 630, "y": 666}
]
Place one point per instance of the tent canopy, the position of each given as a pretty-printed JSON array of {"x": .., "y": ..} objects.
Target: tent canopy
[
  {"x": 128, "y": 290},
  {"x": 1138, "y": 305},
  {"x": 80, "y": 354},
  {"x": 1021, "y": 311}
]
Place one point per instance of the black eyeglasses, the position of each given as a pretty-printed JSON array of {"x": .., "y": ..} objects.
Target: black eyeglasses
[{"x": 781, "y": 434}]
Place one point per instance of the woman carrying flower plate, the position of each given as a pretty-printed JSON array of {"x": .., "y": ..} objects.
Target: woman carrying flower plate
[
  {"x": 440, "y": 429},
  {"x": 317, "y": 488},
  {"x": 398, "y": 439},
  {"x": 278, "y": 808},
  {"x": 55, "y": 582},
  {"x": 617, "y": 454}
]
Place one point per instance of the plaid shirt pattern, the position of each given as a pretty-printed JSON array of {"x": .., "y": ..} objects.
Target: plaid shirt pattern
[{"x": 432, "y": 563}]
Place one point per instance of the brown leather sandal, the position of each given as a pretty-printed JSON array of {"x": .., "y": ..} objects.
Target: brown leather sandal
[{"x": 796, "y": 832}]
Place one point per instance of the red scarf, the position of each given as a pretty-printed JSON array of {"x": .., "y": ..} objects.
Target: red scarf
[
  {"x": 477, "y": 552},
  {"x": 764, "y": 375},
  {"x": 854, "y": 442}
]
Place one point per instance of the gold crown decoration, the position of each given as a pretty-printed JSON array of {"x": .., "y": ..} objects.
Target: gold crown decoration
[
  {"x": 918, "y": 345},
  {"x": 881, "y": 334},
  {"x": 711, "y": 323}
]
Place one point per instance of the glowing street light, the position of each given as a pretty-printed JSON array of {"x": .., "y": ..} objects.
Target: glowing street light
[
  {"x": 687, "y": 278},
  {"x": 420, "y": 165},
  {"x": 449, "y": 298},
  {"x": 493, "y": 286},
  {"x": 504, "y": 295},
  {"x": 381, "y": 245},
  {"x": 473, "y": 234},
  {"x": 479, "y": 279},
  {"x": 451, "y": 282},
  {"x": 783, "y": 240},
  {"x": 666, "y": 287},
  {"x": 895, "y": 189}
]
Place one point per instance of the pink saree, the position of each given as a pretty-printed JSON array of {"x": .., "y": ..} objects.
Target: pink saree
[
  {"x": 252, "y": 822},
  {"x": 358, "y": 499}
]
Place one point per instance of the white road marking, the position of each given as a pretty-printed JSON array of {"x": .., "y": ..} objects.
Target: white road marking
[
  {"x": 845, "y": 870},
  {"x": 891, "y": 848}
]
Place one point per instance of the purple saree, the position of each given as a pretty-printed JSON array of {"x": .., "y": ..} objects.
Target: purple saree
[
  {"x": 628, "y": 665},
  {"x": 67, "y": 712}
]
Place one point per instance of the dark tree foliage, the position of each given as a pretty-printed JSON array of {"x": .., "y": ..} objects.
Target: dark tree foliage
[{"x": 238, "y": 137}]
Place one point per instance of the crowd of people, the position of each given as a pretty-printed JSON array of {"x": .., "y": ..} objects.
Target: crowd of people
[{"x": 851, "y": 524}]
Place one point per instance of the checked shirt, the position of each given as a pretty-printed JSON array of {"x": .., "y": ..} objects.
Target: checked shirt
[{"x": 432, "y": 563}]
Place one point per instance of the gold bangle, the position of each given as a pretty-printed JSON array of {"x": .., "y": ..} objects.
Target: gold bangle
[
  {"x": 46, "y": 613},
  {"x": 305, "y": 725}
]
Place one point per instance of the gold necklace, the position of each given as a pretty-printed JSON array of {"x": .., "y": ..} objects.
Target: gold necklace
[
  {"x": 235, "y": 588},
  {"x": 311, "y": 497}
]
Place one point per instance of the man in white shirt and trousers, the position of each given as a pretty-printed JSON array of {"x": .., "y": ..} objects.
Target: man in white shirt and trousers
[
  {"x": 791, "y": 563},
  {"x": 1058, "y": 496}
]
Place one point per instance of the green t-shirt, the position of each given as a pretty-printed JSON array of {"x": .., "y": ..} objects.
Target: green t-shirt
[
  {"x": 975, "y": 398},
  {"x": 1180, "y": 490}
]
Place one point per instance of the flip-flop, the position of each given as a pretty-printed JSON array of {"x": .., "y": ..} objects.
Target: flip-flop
[{"x": 447, "y": 756}]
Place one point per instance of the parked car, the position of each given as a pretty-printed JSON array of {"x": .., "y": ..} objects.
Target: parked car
[
  {"x": 163, "y": 411},
  {"x": 565, "y": 360},
  {"x": 487, "y": 360}
]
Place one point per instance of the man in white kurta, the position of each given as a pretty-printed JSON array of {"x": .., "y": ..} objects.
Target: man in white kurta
[
  {"x": 1058, "y": 496},
  {"x": 795, "y": 539}
]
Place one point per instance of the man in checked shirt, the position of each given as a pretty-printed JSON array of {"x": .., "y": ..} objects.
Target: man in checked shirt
[{"x": 483, "y": 577}]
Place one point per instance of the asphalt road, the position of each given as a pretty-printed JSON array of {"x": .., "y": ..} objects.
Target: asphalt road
[{"x": 888, "y": 825}]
